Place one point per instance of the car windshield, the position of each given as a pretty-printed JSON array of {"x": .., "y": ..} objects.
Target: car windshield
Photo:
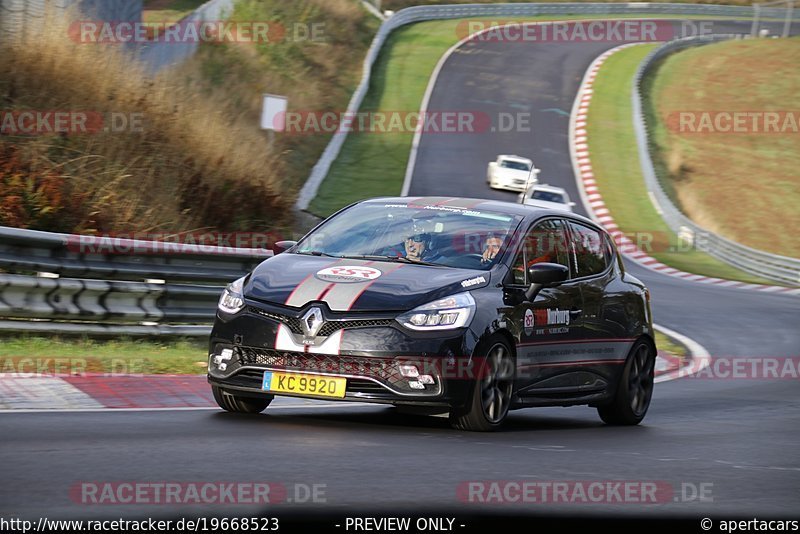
[
  {"x": 548, "y": 196},
  {"x": 437, "y": 235},
  {"x": 516, "y": 165}
]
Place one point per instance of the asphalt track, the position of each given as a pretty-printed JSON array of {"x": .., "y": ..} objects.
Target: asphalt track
[{"x": 739, "y": 435}]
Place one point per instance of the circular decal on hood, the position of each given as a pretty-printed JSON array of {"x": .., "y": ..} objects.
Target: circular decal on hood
[{"x": 348, "y": 274}]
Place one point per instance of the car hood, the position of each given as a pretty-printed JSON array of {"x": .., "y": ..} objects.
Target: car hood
[
  {"x": 356, "y": 285},
  {"x": 510, "y": 173}
]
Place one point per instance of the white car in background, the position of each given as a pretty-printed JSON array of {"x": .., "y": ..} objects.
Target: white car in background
[
  {"x": 510, "y": 172},
  {"x": 546, "y": 196}
]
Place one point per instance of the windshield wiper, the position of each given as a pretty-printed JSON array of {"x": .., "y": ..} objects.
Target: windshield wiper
[
  {"x": 397, "y": 259},
  {"x": 317, "y": 253}
]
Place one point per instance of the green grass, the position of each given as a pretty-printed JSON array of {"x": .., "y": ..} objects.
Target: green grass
[
  {"x": 667, "y": 344},
  {"x": 69, "y": 355},
  {"x": 706, "y": 173},
  {"x": 371, "y": 165},
  {"x": 615, "y": 163}
]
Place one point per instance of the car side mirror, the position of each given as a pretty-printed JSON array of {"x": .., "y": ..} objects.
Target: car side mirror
[
  {"x": 543, "y": 275},
  {"x": 282, "y": 246}
]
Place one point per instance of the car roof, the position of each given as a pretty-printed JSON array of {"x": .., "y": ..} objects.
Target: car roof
[
  {"x": 478, "y": 204},
  {"x": 551, "y": 188}
]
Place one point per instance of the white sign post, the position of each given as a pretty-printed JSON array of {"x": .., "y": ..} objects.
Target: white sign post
[{"x": 273, "y": 115}]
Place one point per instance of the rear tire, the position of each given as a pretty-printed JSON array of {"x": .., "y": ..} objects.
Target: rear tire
[
  {"x": 490, "y": 397},
  {"x": 239, "y": 404},
  {"x": 635, "y": 389}
]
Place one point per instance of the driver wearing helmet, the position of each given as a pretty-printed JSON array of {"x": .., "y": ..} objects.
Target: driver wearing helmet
[{"x": 417, "y": 243}]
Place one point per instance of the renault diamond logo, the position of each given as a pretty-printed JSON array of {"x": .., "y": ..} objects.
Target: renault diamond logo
[{"x": 312, "y": 322}]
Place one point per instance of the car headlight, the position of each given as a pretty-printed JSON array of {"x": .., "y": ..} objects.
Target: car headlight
[
  {"x": 447, "y": 313},
  {"x": 232, "y": 299}
]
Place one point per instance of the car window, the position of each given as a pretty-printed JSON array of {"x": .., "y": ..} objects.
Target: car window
[
  {"x": 545, "y": 242},
  {"x": 548, "y": 196},
  {"x": 516, "y": 165},
  {"x": 590, "y": 250},
  {"x": 444, "y": 235}
]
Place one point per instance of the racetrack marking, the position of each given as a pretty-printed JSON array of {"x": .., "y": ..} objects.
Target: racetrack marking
[
  {"x": 188, "y": 408},
  {"x": 700, "y": 357},
  {"x": 42, "y": 391},
  {"x": 593, "y": 201}
]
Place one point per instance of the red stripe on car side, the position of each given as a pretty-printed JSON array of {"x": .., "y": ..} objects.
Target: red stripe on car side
[
  {"x": 576, "y": 362},
  {"x": 561, "y": 342}
]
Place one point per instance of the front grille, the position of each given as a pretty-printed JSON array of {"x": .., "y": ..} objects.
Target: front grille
[
  {"x": 295, "y": 324},
  {"x": 360, "y": 385},
  {"x": 385, "y": 370},
  {"x": 332, "y": 326}
]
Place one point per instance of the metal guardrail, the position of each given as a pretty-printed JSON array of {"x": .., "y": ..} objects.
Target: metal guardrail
[
  {"x": 69, "y": 283},
  {"x": 414, "y": 14},
  {"x": 770, "y": 266}
]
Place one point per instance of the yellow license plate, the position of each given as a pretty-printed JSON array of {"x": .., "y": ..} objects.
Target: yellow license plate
[{"x": 303, "y": 384}]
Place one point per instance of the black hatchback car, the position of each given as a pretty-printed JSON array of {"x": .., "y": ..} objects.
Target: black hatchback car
[{"x": 466, "y": 306}]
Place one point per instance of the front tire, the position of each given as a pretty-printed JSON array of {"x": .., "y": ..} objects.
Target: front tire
[
  {"x": 635, "y": 389},
  {"x": 490, "y": 397},
  {"x": 239, "y": 404}
]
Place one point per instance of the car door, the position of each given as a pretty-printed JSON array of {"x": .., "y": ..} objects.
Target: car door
[
  {"x": 547, "y": 327},
  {"x": 605, "y": 317}
]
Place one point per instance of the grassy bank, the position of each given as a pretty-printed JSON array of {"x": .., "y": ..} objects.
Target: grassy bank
[
  {"x": 69, "y": 355},
  {"x": 374, "y": 164},
  {"x": 670, "y": 346},
  {"x": 714, "y": 168},
  {"x": 615, "y": 163},
  {"x": 189, "y": 154}
]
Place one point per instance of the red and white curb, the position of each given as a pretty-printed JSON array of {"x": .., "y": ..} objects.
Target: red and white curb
[
  {"x": 20, "y": 393},
  {"x": 24, "y": 393},
  {"x": 593, "y": 200},
  {"x": 671, "y": 367}
]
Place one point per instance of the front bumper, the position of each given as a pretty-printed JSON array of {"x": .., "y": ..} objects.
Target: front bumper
[
  {"x": 369, "y": 354},
  {"x": 511, "y": 183}
]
